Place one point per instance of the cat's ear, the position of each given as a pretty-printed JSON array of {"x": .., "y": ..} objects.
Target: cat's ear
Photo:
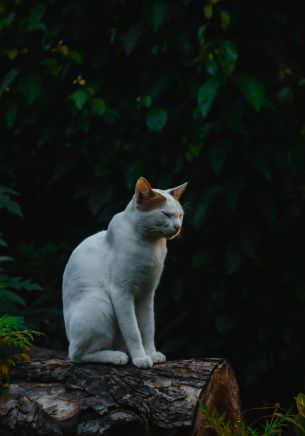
[
  {"x": 178, "y": 191},
  {"x": 143, "y": 189},
  {"x": 147, "y": 198}
]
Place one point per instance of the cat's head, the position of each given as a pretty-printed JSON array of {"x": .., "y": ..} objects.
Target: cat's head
[{"x": 159, "y": 213}]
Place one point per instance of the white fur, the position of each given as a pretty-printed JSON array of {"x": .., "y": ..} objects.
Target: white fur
[{"x": 109, "y": 285}]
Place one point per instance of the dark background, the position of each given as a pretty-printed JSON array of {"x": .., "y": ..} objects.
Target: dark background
[{"x": 95, "y": 94}]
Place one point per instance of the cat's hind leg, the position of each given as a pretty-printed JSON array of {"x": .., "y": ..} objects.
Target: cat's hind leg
[
  {"x": 93, "y": 337},
  {"x": 106, "y": 356},
  {"x": 79, "y": 353}
]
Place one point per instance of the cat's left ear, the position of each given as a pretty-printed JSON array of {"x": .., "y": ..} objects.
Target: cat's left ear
[{"x": 178, "y": 191}]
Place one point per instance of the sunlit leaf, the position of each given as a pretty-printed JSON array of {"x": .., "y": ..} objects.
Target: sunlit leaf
[
  {"x": 208, "y": 11},
  {"x": 300, "y": 402}
]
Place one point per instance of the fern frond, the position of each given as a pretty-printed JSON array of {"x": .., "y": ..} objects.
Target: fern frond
[{"x": 10, "y": 324}]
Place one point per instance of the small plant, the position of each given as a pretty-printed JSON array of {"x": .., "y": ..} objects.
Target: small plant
[
  {"x": 15, "y": 340},
  {"x": 276, "y": 424}
]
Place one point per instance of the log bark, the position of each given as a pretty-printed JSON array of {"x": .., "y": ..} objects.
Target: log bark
[{"x": 55, "y": 397}]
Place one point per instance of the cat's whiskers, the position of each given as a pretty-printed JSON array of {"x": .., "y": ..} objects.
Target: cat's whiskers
[{"x": 187, "y": 206}]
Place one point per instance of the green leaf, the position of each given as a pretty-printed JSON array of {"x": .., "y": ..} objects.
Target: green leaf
[
  {"x": 259, "y": 162},
  {"x": 8, "y": 79},
  {"x": 80, "y": 98},
  {"x": 217, "y": 155},
  {"x": 11, "y": 115},
  {"x": 225, "y": 19},
  {"x": 285, "y": 96},
  {"x": 253, "y": 90},
  {"x": 134, "y": 171},
  {"x": 7, "y": 20},
  {"x": 247, "y": 242},
  {"x": 156, "y": 12},
  {"x": 145, "y": 101},
  {"x": 228, "y": 56},
  {"x": 232, "y": 113},
  {"x": 98, "y": 106},
  {"x": 53, "y": 67},
  {"x": 234, "y": 259},
  {"x": 203, "y": 206},
  {"x": 208, "y": 11},
  {"x": 5, "y": 294},
  {"x": 30, "y": 87},
  {"x": 2, "y": 241},
  {"x": 156, "y": 119},
  {"x": 34, "y": 21},
  {"x": 7, "y": 203},
  {"x": 19, "y": 283},
  {"x": 212, "y": 66},
  {"x": 9, "y": 324},
  {"x": 131, "y": 37},
  {"x": 207, "y": 94},
  {"x": 193, "y": 151},
  {"x": 232, "y": 191}
]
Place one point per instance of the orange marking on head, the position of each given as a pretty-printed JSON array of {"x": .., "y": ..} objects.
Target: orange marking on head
[{"x": 147, "y": 198}]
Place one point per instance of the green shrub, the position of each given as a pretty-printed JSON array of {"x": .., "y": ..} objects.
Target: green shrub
[{"x": 15, "y": 340}]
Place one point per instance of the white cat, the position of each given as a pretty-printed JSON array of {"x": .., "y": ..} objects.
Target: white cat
[{"x": 110, "y": 280}]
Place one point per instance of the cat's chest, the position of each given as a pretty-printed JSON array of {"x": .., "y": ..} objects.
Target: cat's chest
[{"x": 146, "y": 270}]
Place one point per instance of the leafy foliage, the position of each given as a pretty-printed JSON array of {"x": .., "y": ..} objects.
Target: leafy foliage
[
  {"x": 95, "y": 94},
  {"x": 276, "y": 423},
  {"x": 15, "y": 339},
  {"x": 10, "y": 299}
]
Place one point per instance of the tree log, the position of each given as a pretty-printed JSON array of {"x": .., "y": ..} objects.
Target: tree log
[{"x": 55, "y": 397}]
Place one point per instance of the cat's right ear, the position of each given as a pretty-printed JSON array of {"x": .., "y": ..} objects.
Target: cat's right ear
[{"x": 143, "y": 190}]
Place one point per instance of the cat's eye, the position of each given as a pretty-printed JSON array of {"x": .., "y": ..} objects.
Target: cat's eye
[{"x": 166, "y": 214}]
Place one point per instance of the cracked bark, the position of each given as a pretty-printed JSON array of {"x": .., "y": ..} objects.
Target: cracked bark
[{"x": 54, "y": 397}]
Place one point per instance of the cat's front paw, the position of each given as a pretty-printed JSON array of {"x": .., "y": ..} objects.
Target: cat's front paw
[
  {"x": 143, "y": 362},
  {"x": 158, "y": 357}
]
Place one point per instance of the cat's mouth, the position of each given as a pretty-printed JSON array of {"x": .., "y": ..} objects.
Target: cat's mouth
[
  {"x": 161, "y": 233},
  {"x": 174, "y": 235}
]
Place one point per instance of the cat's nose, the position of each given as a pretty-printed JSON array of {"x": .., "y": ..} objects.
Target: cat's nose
[{"x": 177, "y": 227}]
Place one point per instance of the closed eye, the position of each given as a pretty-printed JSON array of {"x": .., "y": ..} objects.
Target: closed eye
[{"x": 166, "y": 214}]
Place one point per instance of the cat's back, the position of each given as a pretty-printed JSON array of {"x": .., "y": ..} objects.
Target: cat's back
[
  {"x": 90, "y": 246},
  {"x": 87, "y": 258}
]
